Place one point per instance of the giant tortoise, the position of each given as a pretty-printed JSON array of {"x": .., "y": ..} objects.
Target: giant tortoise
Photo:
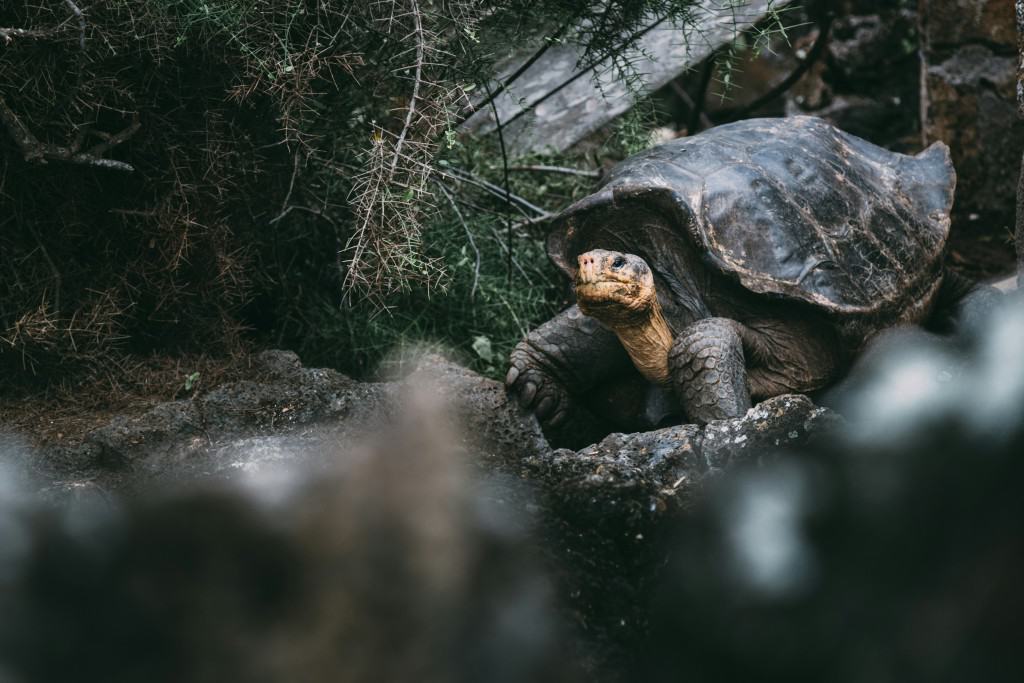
[{"x": 751, "y": 260}]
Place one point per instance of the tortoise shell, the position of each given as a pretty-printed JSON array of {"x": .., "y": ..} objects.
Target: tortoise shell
[{"x": 792, "y": 208}]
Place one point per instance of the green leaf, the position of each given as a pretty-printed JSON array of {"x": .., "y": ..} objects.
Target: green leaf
[{"x": 482, "y": 347}]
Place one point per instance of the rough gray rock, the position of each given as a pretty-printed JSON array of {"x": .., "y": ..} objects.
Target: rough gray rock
[
  {"x": 186, "y": 438},
  {"x": 609, "y": 509},
  {"x": 969, "y": 101},
  {"x": 662, "y": 468},
  {"x": 600, "y": 515},
  {"x": 310, "y": 417},
  {"x": 1019, "y": 5}
]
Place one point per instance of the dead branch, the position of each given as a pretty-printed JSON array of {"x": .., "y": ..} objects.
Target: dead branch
[
  {"x": 537, "y": 220},
  {"x": 81, "y": 22},
  {"x": 492, "y": 94},
  {"x": 39, "y": 152},
  {"x": 582, "y": 71},
  {"x": 508, "y": 252},
  {"x": 542, "y": 168},
  {"x": 9, "y": 34},
  {"x": 504, "y": 169}
]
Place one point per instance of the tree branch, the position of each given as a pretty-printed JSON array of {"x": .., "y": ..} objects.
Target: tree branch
[
  {"x": 38, "y": 152},
  {"x": 9, "y": 34},
  {"x": 81, "y": 22},
  {"x": 543, "y": 168}
]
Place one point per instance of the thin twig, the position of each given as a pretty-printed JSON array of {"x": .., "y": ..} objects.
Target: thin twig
[
  {"x": 510, "y": 198},
  {"x": 9, "y": 34},
  {"x": 469, "y": 236},
  {"x": 491, "y": 95},
  {"x": 542, "y": 168},
  {"x": 53, "y": 269},
  {"x": 512, "y": 259},
  {"x": 308, "y": 209},
  {"x": 630, "y": 40},
  {"x": 114, "y": 140},
  {"x": 285, "y": 208},
  {"x": 534, "y": 221}
]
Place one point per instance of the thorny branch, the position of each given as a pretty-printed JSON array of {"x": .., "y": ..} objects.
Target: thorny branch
[
  {"x": 384, "y": 253},
  {"x": 416, "y": 83}
]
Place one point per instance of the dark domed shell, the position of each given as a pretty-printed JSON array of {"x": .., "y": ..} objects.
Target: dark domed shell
[{"x": 791, "y": 207}]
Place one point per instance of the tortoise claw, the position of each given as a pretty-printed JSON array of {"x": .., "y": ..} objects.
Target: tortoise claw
[
  {"x": 558, "y": 418},
  {"x": 527, "y": 395},
  {"x": 545, "y": 407}
]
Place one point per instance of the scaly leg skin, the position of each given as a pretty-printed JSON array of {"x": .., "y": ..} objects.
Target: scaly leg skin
[
  {"x": 565, "y": 357},
  {"x": 708, "y": 370}
]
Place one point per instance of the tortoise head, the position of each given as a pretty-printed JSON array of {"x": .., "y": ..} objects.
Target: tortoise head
[{"x": 616, "y": 288}]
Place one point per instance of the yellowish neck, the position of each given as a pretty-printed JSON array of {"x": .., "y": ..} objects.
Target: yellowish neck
[{"x": 648, "y": 343}]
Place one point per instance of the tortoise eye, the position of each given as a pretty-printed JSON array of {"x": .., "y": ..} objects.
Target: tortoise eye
[{"x": 618, "y": 262}]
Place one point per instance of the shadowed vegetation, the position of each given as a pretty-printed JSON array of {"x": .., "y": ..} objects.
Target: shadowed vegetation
[{"x": 183, "y": 175}]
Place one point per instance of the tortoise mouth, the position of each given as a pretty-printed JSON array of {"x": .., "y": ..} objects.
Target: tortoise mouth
[
  {"x": 613, "y": 301},
  {"x": 609, "y": 292}
]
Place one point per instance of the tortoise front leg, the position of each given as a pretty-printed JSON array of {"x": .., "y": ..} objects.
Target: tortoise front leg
[
  {"x": 565, "y": 357},
  {"x": 708, "y": 370}
]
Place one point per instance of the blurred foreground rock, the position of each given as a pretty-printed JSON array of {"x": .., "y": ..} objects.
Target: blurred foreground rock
[
  {"x": 599, "y": 514},
  {"x": 889, "y": 550},
  {"x": 311, "y": 416}
]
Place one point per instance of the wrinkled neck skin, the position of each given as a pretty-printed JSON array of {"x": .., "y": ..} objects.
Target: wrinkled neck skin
[{"x": 647, "y": 339}]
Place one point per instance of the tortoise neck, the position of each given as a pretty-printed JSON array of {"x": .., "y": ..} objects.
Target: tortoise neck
[{"x": 648, "y": 342}]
